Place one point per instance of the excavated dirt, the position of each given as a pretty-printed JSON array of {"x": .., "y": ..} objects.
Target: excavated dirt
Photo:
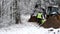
[
  {"x": 32, "y": 19},
  {"x": 52, "y": 21}
]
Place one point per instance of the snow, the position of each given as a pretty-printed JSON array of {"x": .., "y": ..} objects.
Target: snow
[
  {"x": 25, "y": 7},
  {"x": 21, "y": 30},
  {"x": 27, "y": 28},
  {"x": 24, "y": 30}
]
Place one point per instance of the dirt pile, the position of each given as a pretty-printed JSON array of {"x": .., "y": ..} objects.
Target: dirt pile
[
  {"x": 32, "y": 19},
  {"x": 52, "y": 21}
]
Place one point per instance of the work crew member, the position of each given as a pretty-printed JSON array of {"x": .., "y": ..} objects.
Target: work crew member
[{"x": 40, "y": 19}]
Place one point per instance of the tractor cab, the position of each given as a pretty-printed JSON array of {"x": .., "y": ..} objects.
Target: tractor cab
[{"x": 52, "y": 10}]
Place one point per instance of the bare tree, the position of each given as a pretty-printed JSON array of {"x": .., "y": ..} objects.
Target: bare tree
[{"x": 17, "y": 12}]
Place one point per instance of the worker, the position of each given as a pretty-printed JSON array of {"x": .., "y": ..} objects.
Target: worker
[{"x": 40, "y": 19}]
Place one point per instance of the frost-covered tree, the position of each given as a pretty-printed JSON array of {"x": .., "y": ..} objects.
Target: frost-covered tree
[{"x": 16, "y": 11}]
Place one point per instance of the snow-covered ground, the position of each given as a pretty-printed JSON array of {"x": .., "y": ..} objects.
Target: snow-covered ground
[
  {"x": 25, "y": 7},
  {"x": 27, "y": 28}
]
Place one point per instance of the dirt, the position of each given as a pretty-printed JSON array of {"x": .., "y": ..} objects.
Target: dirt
[
  {"x": 52, "y": 21},
  {"x": 32, "y": 19}
]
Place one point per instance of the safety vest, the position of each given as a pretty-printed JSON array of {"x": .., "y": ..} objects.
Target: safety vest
[
  {"x": 39, "y": 15},
  {"x": 43, "y": 21}
]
